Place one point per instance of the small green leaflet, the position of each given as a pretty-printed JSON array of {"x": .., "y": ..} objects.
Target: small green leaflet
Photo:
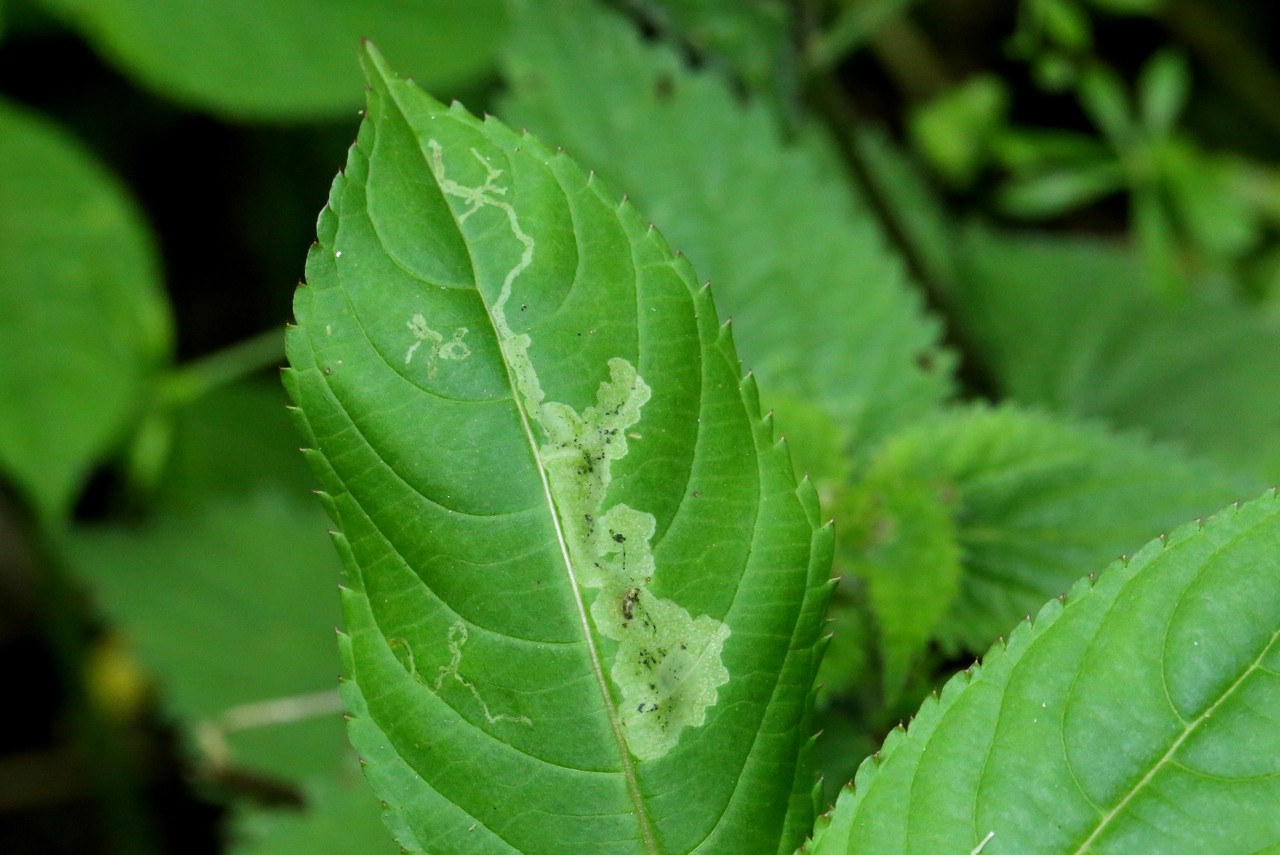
[{"x": 575, "y": 553}]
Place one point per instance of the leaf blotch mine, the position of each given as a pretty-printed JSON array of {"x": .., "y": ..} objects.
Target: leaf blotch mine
[{"x": 667, "y": 664}]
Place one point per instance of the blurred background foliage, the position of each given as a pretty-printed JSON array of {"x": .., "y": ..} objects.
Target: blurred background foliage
[{"x": 1009, "y": 271}]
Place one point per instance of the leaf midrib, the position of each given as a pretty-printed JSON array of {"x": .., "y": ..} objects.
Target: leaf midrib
[
  {"x": 640, "y": 810},
  {"x": 1167, "y": 757}
]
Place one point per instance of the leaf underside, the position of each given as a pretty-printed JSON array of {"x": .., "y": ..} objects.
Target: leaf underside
[
  {"x": 583, "y": 589},
  {"x": 1137, "y": 715}
]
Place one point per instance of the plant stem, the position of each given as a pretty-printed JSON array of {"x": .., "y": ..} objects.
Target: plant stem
[{"x": 195, "y": 379}]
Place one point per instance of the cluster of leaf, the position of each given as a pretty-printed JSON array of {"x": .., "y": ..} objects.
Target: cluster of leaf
[
  {"x": 1196, "y": 213},
  {"x": 1120, "y": 408}
]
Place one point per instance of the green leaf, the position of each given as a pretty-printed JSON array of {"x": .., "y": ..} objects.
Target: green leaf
[
  {"x": 1129, "y": 7},
  {"x": 1025, "y": 151},
  {"x": 231, "y": 607},
  {"x": 1138, "y": 716},
  {"x": 899, "y": 536},
  {"x": 1065, "y": 24},
  {"x": 1163, "y": 87},
  {"x": 1157, "y": 238},
  {"x": 248, "y": 417},
  {"x": 1088, "y": 339},
  {"x": 84, "y": 325},
  {"x": 341, "y": 816},
  {"x": 1056, "y": 191},
  {"x": 841, "y": 327},
  {"x": 285, "y": 58},
  {"x": 1034, "y": 499},
  {"x": 1208, "y": 200},
  {"x": 916, "y": 208},
  {"x": 954, "y": 130},
  {"x": 251, "y": 681},
  {"x": 584, "y": 592},
  {"x": 1102, "y": 95},
  {"x": 753, "y": 37},
  {"x": 853, "y": 28}
]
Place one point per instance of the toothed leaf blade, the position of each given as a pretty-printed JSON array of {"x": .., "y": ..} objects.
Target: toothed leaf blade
[
  {"x": 1088, "y": 339},
  {"x": 583, "y": 589},
  {"x": 1138, "y": 715},
  {"x": 1035, "y": 498}
]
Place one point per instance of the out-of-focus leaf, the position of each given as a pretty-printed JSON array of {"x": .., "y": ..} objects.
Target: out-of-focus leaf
[
  {"x": 821, "y": 306},
  {"x": 913, "y": 203},
  {"x": 1158, "y": 241},
  {"x": 1103, "y": 97},
  {"x": 1027, "y": 150},
  {"x": 1129, "y": 7},
  {"x": 1035, "y": 498},
  {"x": 234, "y": 440},
  {"x": 1136, "y": 716},
  {"x": 899, "y": 537},
  {"x": 1163, "y": 87},
  {"x": 290, "y": 59},
  {"x": 577, "y": 556},
  {"x": 1070, "y": 325},
  {"x": 855, "y": 26},
  {"x": 752, "y": 36},
  {"x": 232, "y": 608},
  {"x": 846, "y": 665},
  {"x": 1065, "y": 23},
  {"x": 1205, "y": 191},
  {"x": 954, "y": 130},
  {"x": 1057, "y": 191},
  {"x": 341, "y": 816},
  {"x": 236, "y": 521},
  {"x": 84, "y": 325}
]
